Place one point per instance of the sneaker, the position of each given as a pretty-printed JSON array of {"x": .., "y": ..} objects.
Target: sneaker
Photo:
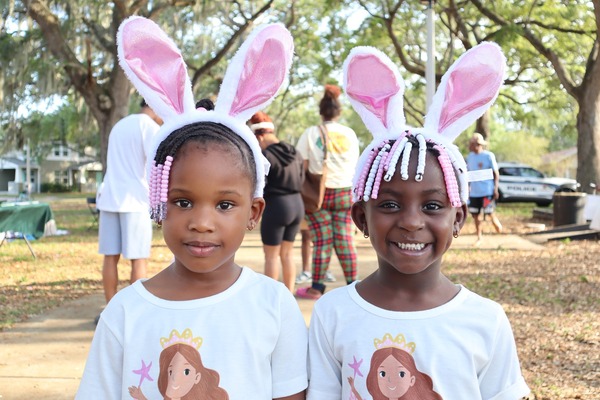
[
  {"x": 308, "y": 293},
  {"x": 304, "y": 277},
  {"x": 329, "y": 277}
]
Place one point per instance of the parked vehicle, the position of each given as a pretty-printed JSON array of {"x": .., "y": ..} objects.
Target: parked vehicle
[{"x": 523, "y": 183}]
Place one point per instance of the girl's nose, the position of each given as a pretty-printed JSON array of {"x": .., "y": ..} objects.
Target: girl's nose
[
  {"x": 201, "y": 220},
  {"x": 411, "y": 220}
]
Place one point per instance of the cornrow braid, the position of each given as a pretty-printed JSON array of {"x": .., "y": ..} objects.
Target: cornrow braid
[
  {"x": 201, "y": 132},
  {"x": 384, "y": 157}
]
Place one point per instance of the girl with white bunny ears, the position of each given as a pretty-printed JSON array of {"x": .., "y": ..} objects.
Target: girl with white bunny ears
[
  {"x": 410, "y": 193},
  {"x": 207, "y": 177}
]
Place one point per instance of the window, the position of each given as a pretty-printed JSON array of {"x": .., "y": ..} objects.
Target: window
[
  {"x": 61, "y": 177},
  {"x": 60, "y": 151}
]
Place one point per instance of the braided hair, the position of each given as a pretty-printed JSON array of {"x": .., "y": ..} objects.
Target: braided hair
[
  {"x": 201, "y": 132},
  {"x": 382, "y": 163}
]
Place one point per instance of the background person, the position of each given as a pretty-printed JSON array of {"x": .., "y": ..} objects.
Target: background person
[
  {"x": 331, "y": 227},
  {"x": 124, "y": 226},
  {"x": 483, "y": 194},
  {"x": 284, "y": 208}
]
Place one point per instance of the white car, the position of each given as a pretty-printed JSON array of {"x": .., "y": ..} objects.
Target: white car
[{"x": 522, "y": 183}]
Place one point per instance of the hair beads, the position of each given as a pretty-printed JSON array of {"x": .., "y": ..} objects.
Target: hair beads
[{"x": 384, "y": 158}]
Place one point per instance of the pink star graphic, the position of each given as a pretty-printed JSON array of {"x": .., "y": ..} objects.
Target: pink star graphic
[
  {"x": 143, "y": 372},
  {"x": 356, "y": 367}
]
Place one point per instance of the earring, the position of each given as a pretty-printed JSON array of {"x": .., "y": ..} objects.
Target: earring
[
  {"x": 365, "y": 232},
  {"x": 251, "y": 225},
  {"x": 455, "y": 234}
]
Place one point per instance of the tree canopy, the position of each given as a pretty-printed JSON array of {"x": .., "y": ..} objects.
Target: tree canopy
[{"x": 58, "y": 62}]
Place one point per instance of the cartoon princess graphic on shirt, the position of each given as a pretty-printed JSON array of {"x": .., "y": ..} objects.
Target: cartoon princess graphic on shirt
[
  {"x": 393, "y": 373},
  {"x": 182, "y": 375}
]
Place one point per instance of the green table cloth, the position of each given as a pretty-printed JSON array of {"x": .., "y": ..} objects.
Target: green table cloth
[{"x": 25, "y": 217}]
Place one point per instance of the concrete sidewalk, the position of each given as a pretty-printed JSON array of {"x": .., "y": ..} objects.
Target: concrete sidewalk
[{"x": 44, "y": 357}]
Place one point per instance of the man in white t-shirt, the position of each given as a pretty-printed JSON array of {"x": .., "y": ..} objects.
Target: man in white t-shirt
[{"x": 125, "y": 226}]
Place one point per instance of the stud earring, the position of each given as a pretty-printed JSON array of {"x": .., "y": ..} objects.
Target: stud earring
[
  {"x": 455, "y": 234},
  {"x": 251, "y": 225}
]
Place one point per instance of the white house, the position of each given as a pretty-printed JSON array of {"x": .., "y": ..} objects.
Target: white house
[{"x": 62, "y": 166}]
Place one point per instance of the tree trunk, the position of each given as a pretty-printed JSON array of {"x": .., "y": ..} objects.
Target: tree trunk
[
  {"x": 483, "y": 125},
  {"x": 588, "y": 129}
]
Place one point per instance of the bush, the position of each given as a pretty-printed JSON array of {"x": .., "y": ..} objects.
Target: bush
[{"x": 50, "y": 187}]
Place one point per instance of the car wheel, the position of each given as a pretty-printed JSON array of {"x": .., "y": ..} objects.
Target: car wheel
[{"x": 544, "y": 203}]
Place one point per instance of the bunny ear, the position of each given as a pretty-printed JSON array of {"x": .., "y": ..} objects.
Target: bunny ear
[
  {"x": 375, "y": 89},
  {"x": 256, "y": 72},
  {"x": 467, "y": 90},
  {"x": 154, "y": 65}
]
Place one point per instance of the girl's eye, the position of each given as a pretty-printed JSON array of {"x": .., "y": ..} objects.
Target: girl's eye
[
  {"x": 401, "y": 374},
  {"x": 225, "y": 205},
  {"x": 186, "y": 371},
  {"x": 388, "y": 204},
  {"x": 432, "y": 206},
  {"x": 382, "y": 374},
  {"x": 182, "y": 203}
]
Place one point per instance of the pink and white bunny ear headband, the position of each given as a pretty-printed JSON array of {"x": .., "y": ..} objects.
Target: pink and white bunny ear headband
[
  {"x": 155, "y": 66},
  {"x": 375, "y": 89}
]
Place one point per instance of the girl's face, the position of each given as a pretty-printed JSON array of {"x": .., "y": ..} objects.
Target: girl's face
[
  {"x": 411, "y": 223},
  {"x": 209, "y": 207},
  {"x": 393, "y": 378},
  {"x": 182, "y": 377}
]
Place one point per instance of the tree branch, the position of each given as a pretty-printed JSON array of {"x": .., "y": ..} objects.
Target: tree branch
[
  {"x": 559, "y": 68},
  {"x": 233, "y": 39}
]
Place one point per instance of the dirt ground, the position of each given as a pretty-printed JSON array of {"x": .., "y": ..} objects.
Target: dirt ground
[{"x": 551, "y": 296}]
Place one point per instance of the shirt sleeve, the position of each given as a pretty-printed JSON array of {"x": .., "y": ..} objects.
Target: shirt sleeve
[
  {"x": 502, "y": 378},
  {"x": 302, "y": 145},
  {"x": 102, "y": 376},
  {"x": 148, "y": 128},
  {"x": 325, "y": 371},
  {"x": 288, "y": 362},
  {"x": 493, "y": 162}
]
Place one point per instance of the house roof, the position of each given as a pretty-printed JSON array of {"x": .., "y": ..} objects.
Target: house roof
[
  {"x": 558, "y": 156},
  {"x": 18, "y": 162}
]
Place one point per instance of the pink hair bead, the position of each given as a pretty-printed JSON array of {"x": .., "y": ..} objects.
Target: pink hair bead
[{"x": 449, "y": 177}]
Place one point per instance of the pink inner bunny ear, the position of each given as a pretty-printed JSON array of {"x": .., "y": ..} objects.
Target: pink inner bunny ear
[
  {"x": 372, "y": 83},
  {"x": 156, "y": 61},
  {"x": 263, "y": 73},
  {"x": 473, "y": 83}
]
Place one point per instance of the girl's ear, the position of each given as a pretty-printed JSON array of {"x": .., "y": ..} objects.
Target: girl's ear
[
  {"x": 461, "y": 217},
  {"x": 467, "y": 90},
  {"x": 359, "y": 217},
  {"x": 256, "y": 211}
]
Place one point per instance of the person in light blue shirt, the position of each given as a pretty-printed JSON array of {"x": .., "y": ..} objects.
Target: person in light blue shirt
[{"x": 482, "y": 194}]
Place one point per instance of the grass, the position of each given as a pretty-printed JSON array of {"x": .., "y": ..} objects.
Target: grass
[{"x": 552, "y": 297}]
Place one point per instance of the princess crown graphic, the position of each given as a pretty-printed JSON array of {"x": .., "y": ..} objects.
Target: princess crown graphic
[
  {"x": 186, "y": 337},
  {"x": 398, "y": 342}
]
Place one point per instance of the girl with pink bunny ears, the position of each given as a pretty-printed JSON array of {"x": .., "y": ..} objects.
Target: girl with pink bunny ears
[
  {"x": 206, "y": 182},
  {"x": 410, "y": 190}
]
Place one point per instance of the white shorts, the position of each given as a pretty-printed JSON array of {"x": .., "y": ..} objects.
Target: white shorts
[{"x": 129, "y": 234}]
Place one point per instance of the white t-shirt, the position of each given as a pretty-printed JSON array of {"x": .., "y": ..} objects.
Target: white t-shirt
[
  {"x": 252, "y": 335},
  {"x": 125, "y": 186},
  {"x": 342, "y": 153},
  {"x": 465, "y": 346}
]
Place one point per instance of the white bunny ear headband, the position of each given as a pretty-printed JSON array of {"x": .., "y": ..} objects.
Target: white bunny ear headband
[
  {"x": 155, "y": 66},
  {"x": 375, "y": 90}
]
